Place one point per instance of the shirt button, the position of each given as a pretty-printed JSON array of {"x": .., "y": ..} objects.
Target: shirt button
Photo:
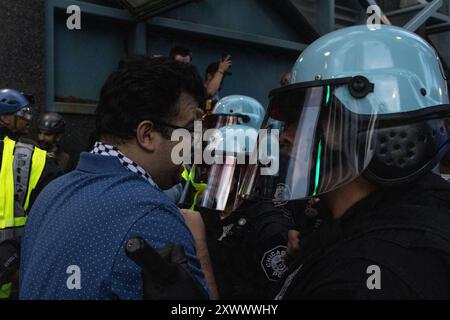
[{"x": 242, "y": 222}]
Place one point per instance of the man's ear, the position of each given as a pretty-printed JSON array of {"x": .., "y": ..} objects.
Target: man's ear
[{"x": 146, "y": 136}]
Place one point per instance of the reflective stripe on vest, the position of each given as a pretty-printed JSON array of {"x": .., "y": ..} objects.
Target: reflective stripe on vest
[
  {"x": 189, "y": 177},
  {"x": 9, "y": 217},
  {"x": 5, "y": 291}
]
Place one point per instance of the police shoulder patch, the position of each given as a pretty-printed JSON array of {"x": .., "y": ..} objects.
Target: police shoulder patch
[{"x": 274, "y": 263}]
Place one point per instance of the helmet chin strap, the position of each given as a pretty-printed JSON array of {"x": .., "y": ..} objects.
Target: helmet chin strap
[{"x": 14, "y": 129}]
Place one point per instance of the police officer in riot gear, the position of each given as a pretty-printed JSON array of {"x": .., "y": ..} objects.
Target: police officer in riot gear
[
  {"x": 247, "y": 239},
  {"x": 51, "y": 130},
  {"x": 366, "y": 119}
]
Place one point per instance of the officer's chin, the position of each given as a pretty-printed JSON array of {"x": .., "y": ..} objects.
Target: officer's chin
[{"x": 24, "y": 131}]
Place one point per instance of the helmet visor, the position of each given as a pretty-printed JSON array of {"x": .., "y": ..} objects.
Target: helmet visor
[
  {"x": 25, "y": 113},
  {"x": 223, "y": 180},
  {"x": 322, "y": 144},
  {"x": 227, "y": 150}
]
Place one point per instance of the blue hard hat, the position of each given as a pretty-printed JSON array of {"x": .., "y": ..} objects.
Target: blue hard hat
[{"x": 12, "y": 101}]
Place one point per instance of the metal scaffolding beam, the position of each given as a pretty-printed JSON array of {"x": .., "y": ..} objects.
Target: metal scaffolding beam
[
  {"x": 326, "y": 16},
  {"x": 426, "y": 13},
  {"x": 296, "y": 19},
  {"x": 222, "y": 33}
]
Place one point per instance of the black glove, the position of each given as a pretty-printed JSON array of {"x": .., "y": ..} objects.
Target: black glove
[
  {"x": 165, "y": 274},
  {"x": 9, "y": 260}
]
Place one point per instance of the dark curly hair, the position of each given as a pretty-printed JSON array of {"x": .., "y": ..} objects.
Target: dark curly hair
[{"x": 144, "y": 88}]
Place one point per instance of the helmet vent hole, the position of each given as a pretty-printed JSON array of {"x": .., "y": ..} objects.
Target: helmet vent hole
[
  {"x": 403, "y": 135},
  {"x": 397, "y": 147},
  {"x": 392, "y": 134},
  {"x": 383, "y": 151},
  {"x": 389, "y": 161},
  {"x": 423, "y": 91},
  {"x": 383, "y": 140},
  {"x": 3, "y": 100},
  {"x": 410, "y": 154},
  {"x": 411, "y": 145}
]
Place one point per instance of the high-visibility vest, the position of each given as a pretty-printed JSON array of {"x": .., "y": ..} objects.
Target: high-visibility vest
[
  {"x": 189, "y": 177},
  {"x": 21, "y": 168}
]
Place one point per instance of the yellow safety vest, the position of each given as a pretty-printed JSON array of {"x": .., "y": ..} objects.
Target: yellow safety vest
[
  {"x": 189, "y": 177},
  {"x": 11, "y": 221}
]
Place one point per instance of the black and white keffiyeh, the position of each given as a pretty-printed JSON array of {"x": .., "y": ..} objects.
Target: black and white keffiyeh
[{"x": 103, "y": 149}]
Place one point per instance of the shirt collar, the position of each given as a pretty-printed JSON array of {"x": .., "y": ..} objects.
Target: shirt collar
[{"x": 107, "y": 150}]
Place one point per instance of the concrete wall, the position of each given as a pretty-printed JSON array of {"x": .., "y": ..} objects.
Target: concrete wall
[
  {"x": 22, "y": 46},
  {"x": 22, "y": 63}
]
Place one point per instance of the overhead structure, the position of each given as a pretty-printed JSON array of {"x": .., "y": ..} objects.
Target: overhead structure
[
  {"x": 383, "y": 17},
  {"x": 422, "y": 14},
  {"x": 427, "y": 12},
  {"x": 143, "y": 9}
]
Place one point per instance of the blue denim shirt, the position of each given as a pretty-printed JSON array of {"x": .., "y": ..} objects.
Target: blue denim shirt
[{"x": 81, "y": 221}]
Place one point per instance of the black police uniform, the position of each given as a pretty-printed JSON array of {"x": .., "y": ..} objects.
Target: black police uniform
[
  {"x": 405, "y": 232},
  {"x": 248, "y": 250}
]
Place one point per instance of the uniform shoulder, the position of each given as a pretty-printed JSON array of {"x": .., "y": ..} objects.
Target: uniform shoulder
[{"x": 408, "y": 267}]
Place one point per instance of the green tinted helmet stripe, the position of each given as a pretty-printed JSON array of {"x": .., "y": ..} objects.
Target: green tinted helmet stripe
[
  {"x": 319, "y": 154},
  {"x": 319, "y": 151},
  {"x": 328, "y": 94}
]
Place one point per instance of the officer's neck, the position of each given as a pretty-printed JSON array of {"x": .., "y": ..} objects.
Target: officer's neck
[{"x": 345, "y": 197}]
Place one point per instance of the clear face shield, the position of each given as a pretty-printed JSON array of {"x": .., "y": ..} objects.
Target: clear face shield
[
  {"x": 25, "y": 113},
  {"x": 214, "y": 184},
  {"x": 322, "y": 144},
  {"x": 223, "y": 180}
]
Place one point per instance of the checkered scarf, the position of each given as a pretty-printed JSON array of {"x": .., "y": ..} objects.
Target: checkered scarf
[{"x": 103, "y": 149}]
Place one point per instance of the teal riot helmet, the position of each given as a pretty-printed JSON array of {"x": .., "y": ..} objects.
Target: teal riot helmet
[
  {"x": 362, "y": 101},
  {"x": 231, "y": 138},
  {"x": 248, "y": 110}
]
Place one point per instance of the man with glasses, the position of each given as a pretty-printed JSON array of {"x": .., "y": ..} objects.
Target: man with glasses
[
  {"x": 24, "y": 171},
  {"x": 115, "y": 193}
]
